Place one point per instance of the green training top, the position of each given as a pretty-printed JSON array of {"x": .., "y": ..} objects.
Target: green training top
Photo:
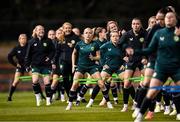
[
  {"x": 167, "y": 45},
  {"x": 84, "y": 51},
  {"x": 100, "y": 43},
  {"x": 112, "y": 55}
]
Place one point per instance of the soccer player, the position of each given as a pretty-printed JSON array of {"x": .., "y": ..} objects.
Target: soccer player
[
  {"x": 111, "y": 27},
  {"x": 39, "y": 54},
  {"x": 70, "y": 40},
  {"x": 77, "y": 31},
  {"x": 100, "y": 33},
  {"x": 112, "y": 60},
  {"x": 51, "y": 34},
  {"x": 135, "y": 38},
  {"x": 149, "y": 70},
  {"x": 85, "y": 54},
  {"x": 57, "y": 67},
  {"x": 151, "y": 23},
  {"x": 19, "y": 53},
  {"x": 167, "y": 45}
]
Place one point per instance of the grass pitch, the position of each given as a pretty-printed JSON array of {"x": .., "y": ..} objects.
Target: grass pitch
[{"x": 23, "y": 108}]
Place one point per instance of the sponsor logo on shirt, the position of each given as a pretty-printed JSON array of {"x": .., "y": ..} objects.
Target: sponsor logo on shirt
[
  {"x": 131, "y": 39},
  {"x": 18, "y": 51},
  {"x": 109, "y": 49},
  {"x": 162, "y": 38}
]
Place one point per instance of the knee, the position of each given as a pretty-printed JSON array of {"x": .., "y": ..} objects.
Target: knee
[
  {"x": 74, "y": 87},
  {"x": 127, "y": 84},
  {"x": 101, "y": 84},
  {"x": 15, "y": 83}
]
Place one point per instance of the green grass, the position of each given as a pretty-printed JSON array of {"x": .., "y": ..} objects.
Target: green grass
[{"x": 23, "y": 108}]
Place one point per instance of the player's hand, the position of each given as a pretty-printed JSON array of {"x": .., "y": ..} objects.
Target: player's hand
[
  {"x": 74, "y": 68},
  {"x": 129, "y": 51},
  {"x": 53, "y": 66},
  {"x": 18, "y": 65},
  {"x": 70, "y": 45},
  {"x": 177, "y": 31},
  {"x": 126, "y": 59},
  {"x": 47, "y": 59},
  {"x": 105, "y": 67},
  {"x": 122, "y": 67},
  {"x": 144, "y": 61},
  {"x": 91, "y": 57}
]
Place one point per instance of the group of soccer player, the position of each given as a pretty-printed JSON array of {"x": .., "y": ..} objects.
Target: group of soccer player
[{"x": 65, "y": 57}]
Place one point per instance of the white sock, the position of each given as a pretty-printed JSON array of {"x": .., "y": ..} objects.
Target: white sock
[
  {"x": 91, "y": 101},
  {"x": 70, "y": 104},
  {"x": 38, "y": 96},
  {"x": 48, "y": 99},
  {"x": 79, "y": 98},
  {"x": 126, "y": 105},
  {"x": 115, "y": 98},
  {"x": 139, "y": 116},
  {"x": 158, "y": 103},
  {"x": 137, "y": 109}
]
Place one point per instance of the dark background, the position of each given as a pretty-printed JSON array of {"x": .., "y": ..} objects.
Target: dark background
[{"x": 20, "y": 16}]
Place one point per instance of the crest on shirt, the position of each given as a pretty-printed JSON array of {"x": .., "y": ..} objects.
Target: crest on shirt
[
  {"x": 45, "y": 44},
  {"x": 162, "y": 38},
  {"x": 176, "y": 38},
  {"x": 92, "y": 48},
  {"x": 141, "y": 39},
  {"x": 109, "y": 49},
  {"x": 72, "y": 41}
]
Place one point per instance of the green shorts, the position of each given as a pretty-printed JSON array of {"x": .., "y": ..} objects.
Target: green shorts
[
  {"x": 41, "y": 70},
  {"x": 151, "y": 65},
  {"x": 163, "y": 76},
  {"x": 20, "y": 69},
  {"x": 58, "y": 69},
  {"x": 91, "y": 69},
  {"x": 112, "y": 70},
  {"x": 134, "y": 65}
]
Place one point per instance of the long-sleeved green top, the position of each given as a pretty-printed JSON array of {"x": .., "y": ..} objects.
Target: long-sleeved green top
[{"x": 167, "y": 45}]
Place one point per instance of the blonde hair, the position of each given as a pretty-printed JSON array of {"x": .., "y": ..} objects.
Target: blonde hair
[
  {"x": 111, "y": 22},
  {"x": 22, "y": 35},
  {"x": 61, "y": 38},
  {"x": 34, "y": 31},
  {"x": 67, "y": 23}
]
